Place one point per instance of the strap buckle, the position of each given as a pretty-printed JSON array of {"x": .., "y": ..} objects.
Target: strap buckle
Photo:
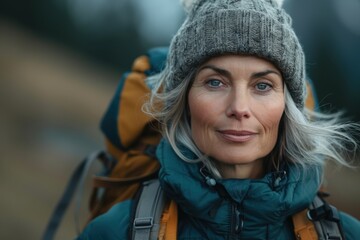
[
  {"x": 143, "y": 223},
  {"x": 325, "y": 211}
]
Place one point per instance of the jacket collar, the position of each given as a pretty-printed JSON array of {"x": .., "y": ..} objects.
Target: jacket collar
[{"x": 267, "y": 201}]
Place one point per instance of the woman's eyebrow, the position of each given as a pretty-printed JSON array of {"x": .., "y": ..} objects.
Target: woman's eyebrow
[
  {"x": 227, "y": 74},
  {"x": 221, "y": 71},
  {"x": 264, "y": 73}
]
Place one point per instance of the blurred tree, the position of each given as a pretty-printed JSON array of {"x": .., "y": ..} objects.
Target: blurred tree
[{"x": 103, "y": 40}]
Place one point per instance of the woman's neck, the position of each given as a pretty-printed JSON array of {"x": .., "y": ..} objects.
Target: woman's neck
[{"x": 251, "y": 170}]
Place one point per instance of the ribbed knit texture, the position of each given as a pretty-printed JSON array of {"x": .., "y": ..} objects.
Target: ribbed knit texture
[{"x": 251, "y": 27}]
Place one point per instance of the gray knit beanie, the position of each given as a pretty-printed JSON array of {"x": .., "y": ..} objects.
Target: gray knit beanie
[{"x": 252, "y": 27}]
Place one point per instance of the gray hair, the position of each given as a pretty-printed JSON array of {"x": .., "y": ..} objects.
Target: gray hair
[{"x": 306, "y": 137}]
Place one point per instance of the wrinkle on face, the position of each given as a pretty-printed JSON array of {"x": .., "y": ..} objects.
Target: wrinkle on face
[{"x": 227, "y": 94}]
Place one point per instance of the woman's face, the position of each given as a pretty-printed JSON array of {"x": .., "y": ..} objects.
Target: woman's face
[{"x": 236, "y": 103}]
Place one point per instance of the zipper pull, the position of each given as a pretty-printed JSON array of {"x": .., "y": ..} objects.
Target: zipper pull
[
  {"x": 239, "y": 220},
  {"x": 277, "y": 178}
]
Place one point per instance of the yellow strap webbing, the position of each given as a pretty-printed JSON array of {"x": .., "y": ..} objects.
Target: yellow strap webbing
[
  {"x": 304, "y": 229},
  {"x": 169, "y": 222}
]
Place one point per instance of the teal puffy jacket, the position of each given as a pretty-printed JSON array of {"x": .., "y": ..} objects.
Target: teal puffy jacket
[{"x": 258, "y": 209}]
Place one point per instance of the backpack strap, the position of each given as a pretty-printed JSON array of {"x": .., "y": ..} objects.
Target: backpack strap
[
  {"x": 320, "y": 222},
  {"x": 76, "y": 183},
  {"x": 149, "y": 209},
  {"x": 169, "y": 222},
  {"x": 304, "y": 229},
  {"x": 326, "y": 219}
]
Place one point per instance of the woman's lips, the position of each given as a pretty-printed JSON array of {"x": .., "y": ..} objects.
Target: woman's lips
[{"x": 237, "y": 136}]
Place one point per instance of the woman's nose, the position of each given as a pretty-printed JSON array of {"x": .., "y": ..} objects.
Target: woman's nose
[{"x": 238, "y": 105}]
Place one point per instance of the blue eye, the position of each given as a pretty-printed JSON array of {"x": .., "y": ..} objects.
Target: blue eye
[
  {"x": 214, "y": 83},
  {"x": 263, "y": 86}
]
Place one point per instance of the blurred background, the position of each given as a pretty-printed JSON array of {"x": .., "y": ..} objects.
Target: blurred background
[{"x": 60, "y": 61}]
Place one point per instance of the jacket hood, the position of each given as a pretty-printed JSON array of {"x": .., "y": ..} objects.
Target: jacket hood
[{"x": 264, "y": 203}]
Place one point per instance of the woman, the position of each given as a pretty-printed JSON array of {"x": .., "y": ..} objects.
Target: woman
[{"x": 233, "y": 116}]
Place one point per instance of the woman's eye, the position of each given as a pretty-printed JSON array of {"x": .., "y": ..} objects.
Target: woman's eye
[
  {"x": 214, "y": 83},
  {"x": 263, "y": 86}
]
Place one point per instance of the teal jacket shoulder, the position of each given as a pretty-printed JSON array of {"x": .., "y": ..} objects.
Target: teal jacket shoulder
[
  {"x": 351, "y": 226},
  {"x": 112, "y": 225}
]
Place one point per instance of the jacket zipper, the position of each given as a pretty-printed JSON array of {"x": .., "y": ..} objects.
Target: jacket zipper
[{"x": 238, "y": 219}]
